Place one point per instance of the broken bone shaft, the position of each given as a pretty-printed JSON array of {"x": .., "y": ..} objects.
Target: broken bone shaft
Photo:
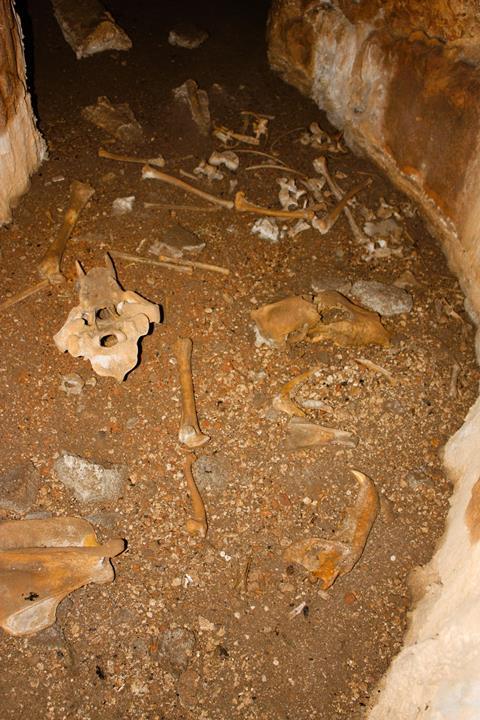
[
  {"x": 189, "y": 433},
  {"x": 243, "y": 205},
  {"x": 197, "y": 524},
  {"x": 323, "y": 169},
  {"x": 49, "y": 266},
  {"x": 149, "y": 172}
]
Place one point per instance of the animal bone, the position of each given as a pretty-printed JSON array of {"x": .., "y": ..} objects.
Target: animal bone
[
  {"x": 320, "y": 165},
  {"x": 197, "y": 524},
  {"x": 243, "y": 205},
  {"x": 186, "y": 266},
  {"x": 117, "y": 120},
  {"x": 23, "y": 294},
  {"x": 269, "y": 166},
  {"x": 370, "y": 365},
  {"x": 156, "y": 162},
  {"x": 356, "y": 326},
  {"x": 151, "y": 173},
  {"x": 284, "y": 401},
  {"x": 106, "y": 325},
  {"x": 41, "y": 562},
  {"x": 198, "y": 104},
  {"x": 285, "y": 321},
  {"x": 452, "y": 391},
  {"x": 329, "y": 559},
  {"x": 189, "y": 433},
  {"x": 227, "y": 158},
  {"x": 303, "y": 434},
  {"x": 225, "y": 136},
  {"x": 49, "y": 267},
  {"x": 266, "y": 229},
  {"x": 89, "y": 28},
  {"x": 289, "y": 194},
  {"x": 209, "y": 171},
  {"x": 323, "y": 225}
]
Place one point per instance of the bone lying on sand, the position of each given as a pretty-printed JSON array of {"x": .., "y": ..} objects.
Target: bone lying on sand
[{"x": 189, "y": 433}]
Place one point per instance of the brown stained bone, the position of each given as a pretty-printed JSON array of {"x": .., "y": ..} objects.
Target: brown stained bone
[
  {"x": 225, "y": 135},
  {"x": 49, "y": 267},
  {"x": 356, "y": 326},
  {"x": 189, "y": 433},
  {"x": 285, "y": 321},
  {"x": 329, "y": 559},
  {"x": 321, "y": 166},
  {"x": 149, "y": 172},
  {"x": 41, "y": 562},
  {"x": 302, "y": 434},
  {"x": 325, "y": 224},
  {"x": 197, "y": 523},
  {"x": 23, "y": 294},
  {"x": 284, "y": 401},
  {"x": 243, "y": 205},
  {"x": 156, "y": 162},
  {"x": 181, "y": 265}
]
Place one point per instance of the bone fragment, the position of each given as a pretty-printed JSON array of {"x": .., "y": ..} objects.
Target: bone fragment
[
  {"x": 197, "y": 524},
  {"x": 189, "y": 433},
  {"x": 356, "y": 326},
  {"x": 453, "y": 390},
  {"x": 370, "y": 365},
  {"x": 323, "y": 225},
  {"x": 243, "y": 205},
  {"x": 269, "y": 166},
  {"x": 23, "y": 294},
  {"x": 117, "y": 120},
  {"x": 284, "y": 401},
  {"x": 175, "y": 263},
  {"x": 211, "y": 172},
  {"x": 225, "y": 135},
  {"x": 148, "y": 261},
  {"x": 156, "y": 162},
  {"x": 302, "y": 434},
  {"x": 49, "y": 267},
  {"x": 175, "y": 207},
  {"x": 41, "y": 562},
  {"x": 227, "y": 158},
  {"x": 152, "y": 173},
  {"x": 285, "y": 321},
  {"x": 198, "y": 104},
  {"x": 321, "y": 167},
  {"x": 329, "y": 559},
  {"x": 88, "y": 28}
]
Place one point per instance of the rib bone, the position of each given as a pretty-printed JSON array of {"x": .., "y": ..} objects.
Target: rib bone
[
  {"x": 321, "y": 167},
  {"x": 197, "y": 524},
  {"x": 189, "y": 433},
  {"x": 152, "y": 173},
  {"x": 49, "y": 266},
  {"x": 243, "y": 205},
  {"x": 284, "y": 402},
  {"x": 323, "y": 225}
]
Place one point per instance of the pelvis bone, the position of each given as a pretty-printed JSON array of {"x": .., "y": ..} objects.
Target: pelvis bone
[
  {"x": 106, "y": 325},
  {"x": 41, "y": 562}
]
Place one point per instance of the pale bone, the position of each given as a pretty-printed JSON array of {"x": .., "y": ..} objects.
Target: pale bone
[
  {"x": 154, "y": 174},
  {"x": 209, "y": 171},
  {"x": 41, "y": 562},
  {"x": 453, "y": 391},
  {"x": 176, "y": 206},
  {"x": 285, "y": 321},
  {"x": 189, "y": 433},
  {"x": 225, "y": 135},
  {"x": 198, "y": 104},
  {"x": 302, "y": 434},
  {"x": 106, "y": 313},
  {"x": 370, "y": 365},
  {"x": 197, "y": 524},
  {"x": 148, "y": 261},
  {"x": 49, "y": 267},
  {"x": 321, "y": 167},
  {"x": 325, "y": 224},
  {"x": 243, "y": 205},
  {"x": 186, "y": 266},
  {"x": 270, "y": 166},
  {"x": 358, "y": 326},
  {"x": 156, "y": 162},
  {"x": 23, "y": 294},
  {"x": 329, "y": 559},
  {"x": 284, "y": 401},
  {"x": 289, "y": 194},
  {"x": 227, "y": 158},
  {"x": 267, "y": 229}
]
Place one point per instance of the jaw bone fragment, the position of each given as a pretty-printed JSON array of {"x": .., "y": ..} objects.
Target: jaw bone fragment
[
  {"x": 106, "y": 325},
  {"x": 41, "y": 562},
  {"x": 198, "y": 104},
  {"x": 189, "y": 433},
  {"x": 329, "y": 559},
  {"x": 304, "y": 434},
  {"x": 356, "y": 326},
  {"x": 49, "y": 267},
  {"x": 284, "y": 401},
  {"x": 285, "y": 321},
  {"x": 197, "y": 524}
]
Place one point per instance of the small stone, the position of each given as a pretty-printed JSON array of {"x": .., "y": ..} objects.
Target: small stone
[
  {"x": 106, "y": 520},
  {"x": 177, "y": 646},
  {"x": 205, "y": 624},
  {"x": 176, "y": 241},
  {"x": 386, "y": 300},
  {"x": 19, "y": 487},
  {"x": 187, "y": 36},
  {"x": 91, "y": 482},
  {"x": 72, "y": 384},
  {"x": 212, "y": 471},
  {"x": 332, "y": 282},
  {"x": 187, "y": 688}
]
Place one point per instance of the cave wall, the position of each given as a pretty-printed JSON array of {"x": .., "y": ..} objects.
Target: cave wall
[
  {"x": 402, "y": 79},
  {"x": 21, "y": 146}
]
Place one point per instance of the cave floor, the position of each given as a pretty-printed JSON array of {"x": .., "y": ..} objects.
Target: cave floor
[{"x": 108, "y": 656}]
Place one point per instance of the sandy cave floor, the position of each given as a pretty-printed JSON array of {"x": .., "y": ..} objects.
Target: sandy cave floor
[{"x": 234, "y": 592}]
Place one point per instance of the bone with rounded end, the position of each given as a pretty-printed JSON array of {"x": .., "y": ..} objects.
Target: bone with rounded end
[
  {"x": 243, "y": 205},
  {"x": 157, "y": 162},
  {"x": 325, "y": 224},
  {"x": 49, "y": 266},
  {"x": 189, "y": 433},
  {"x": 149, "y": 172},
  {"x": 197, "y": 523},
  {"x": 303, "y": 434}
]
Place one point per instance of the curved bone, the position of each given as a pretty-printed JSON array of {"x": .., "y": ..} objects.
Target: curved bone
[
  {"x": 197, "y": 524},
  {"x": 285, "y": 321},
  {"x": 149, "y": 172},
  {"x": 284, "y": 402},
  {"x": 189, "y": 433},
  {"x": 157, "y": 162},
  {"x": 302, "y": 434},
  {"x": 49, "y": 266},
  {"x": 359, "y": 327},
  {"x": 243, "y": 205},
  {"x": 324, "y": 224},
  {"x": 329, "y": 559}
]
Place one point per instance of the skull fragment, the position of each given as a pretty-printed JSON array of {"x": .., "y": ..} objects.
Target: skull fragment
[{"x": 106, "y": 325}]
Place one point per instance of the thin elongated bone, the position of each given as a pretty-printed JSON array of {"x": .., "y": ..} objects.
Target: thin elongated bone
[
  {"x": 191, "y": 208},
  {"x": 269, "y": 166},
  {"x": 223, "y": 134},
  {"x": 243, "y": 205},
  {"x": 329, "y": 559},
  {"x": 157, "y": 162},
  {"x": 49, "y": 266},
  {"x": 149, "y": 172},
  {"x": 23, "y": 294},
  {"x": 302, "y": 434},
  {"x": 197, "y": 524},
  {"x": 166, "y": 261},
  {"x": 452, "y": 391},
  {"x": 275, "y": 158},
  {"x": 321, "y": 166},
  {"x": 370, "y": 365},
  {"x": 284, "y": 402},
  {"x": 148, "y": 261},
  {"x": 189, "y": 433},
  {"x": 325, "y": 224}
]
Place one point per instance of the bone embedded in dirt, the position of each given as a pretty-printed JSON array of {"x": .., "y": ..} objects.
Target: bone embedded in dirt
[
  {"x": 106, "y": 325},
  {"x": 89, "y": 481},
  {"x": 266, "y": 229},
  {"x": 303, "y": 434},
  {"x": 284, "y": 322},
  {"x": 175, "y": 241},
  {"x": 116, "y": 120},
  {"x": 189, "y": 432},
  {"x": 123, "y": 205},
  {"x": 43, "y": 561},
  {"x": 197, "y": 523},
  {"x": 387, "y": 300},
  {"x": 355, "y": 327}
]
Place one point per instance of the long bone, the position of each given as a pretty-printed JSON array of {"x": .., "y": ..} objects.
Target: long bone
[
  {"x": 158, "y": 161},
  {"x": 324, "y": 224},
  {"x": 189, "y": 433},
  {"x": 149, "y": 172},
  {"x": 197, "y": 524},
  {"x": 322, "y": 168},
  {"x": 243, "y": 205},
  {"x": 49, "y": 266}
]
